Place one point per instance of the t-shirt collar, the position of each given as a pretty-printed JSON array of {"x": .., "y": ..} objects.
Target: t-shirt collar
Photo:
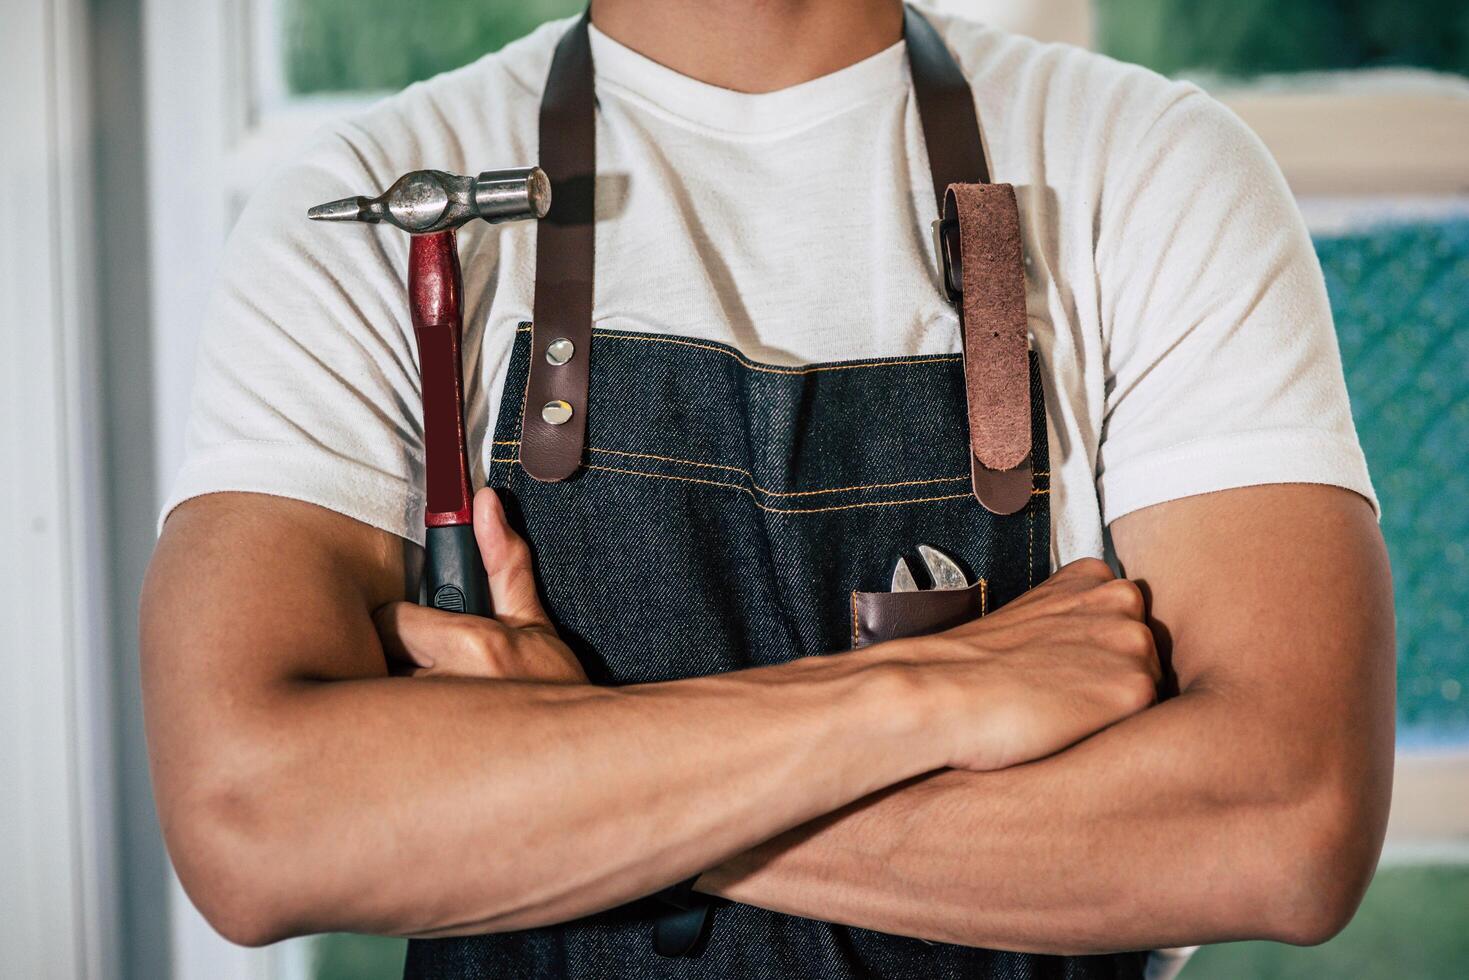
[{"x": 627, "y": 73}]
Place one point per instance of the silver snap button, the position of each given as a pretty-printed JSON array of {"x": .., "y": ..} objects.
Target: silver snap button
[
  {"x": 560, "y": 351},
  {"x": 557, "y": 412}
]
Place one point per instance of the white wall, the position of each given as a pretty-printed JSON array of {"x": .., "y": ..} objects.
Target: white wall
[
  {"x": 58, "y": 915},
  {"x": 1049, "y": 20}
]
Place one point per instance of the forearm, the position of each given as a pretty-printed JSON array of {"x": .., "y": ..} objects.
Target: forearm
[
  {"x": 1196, "y": 821},
  {"x": 441, "y": 806}
]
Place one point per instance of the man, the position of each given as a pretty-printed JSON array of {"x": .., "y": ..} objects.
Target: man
[{"x": 776, "y": 405}]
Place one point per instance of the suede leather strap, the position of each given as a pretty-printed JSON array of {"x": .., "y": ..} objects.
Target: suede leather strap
[
  {"x": 992, "y": 306},
  {"x": 996, "y": 342}
]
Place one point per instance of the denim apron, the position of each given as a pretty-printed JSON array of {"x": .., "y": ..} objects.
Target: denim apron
[{"x": 723, "y": 514}]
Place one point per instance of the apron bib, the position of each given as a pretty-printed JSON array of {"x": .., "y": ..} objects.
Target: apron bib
[{"x": 712, "y": 513}]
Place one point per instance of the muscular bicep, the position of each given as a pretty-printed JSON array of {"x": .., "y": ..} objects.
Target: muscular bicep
[
  {"x": 246, "y": 594},
  {"x": 1277, "y": 598},
  {"x": 258, "y": 587}
]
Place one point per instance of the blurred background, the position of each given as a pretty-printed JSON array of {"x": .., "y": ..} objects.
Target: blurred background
[{"x": 135, "y": 129}]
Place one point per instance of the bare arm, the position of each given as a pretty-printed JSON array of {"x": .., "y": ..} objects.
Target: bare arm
[
  {"x": 302, "y": 789},
  {"x": 1251, "y": 805}
]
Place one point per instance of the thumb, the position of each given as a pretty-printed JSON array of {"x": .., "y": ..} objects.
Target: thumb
[{"x": 508, "y": 565}]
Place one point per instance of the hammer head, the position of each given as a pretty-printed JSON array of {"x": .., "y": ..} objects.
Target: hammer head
[{"x": 426, "y": 201}]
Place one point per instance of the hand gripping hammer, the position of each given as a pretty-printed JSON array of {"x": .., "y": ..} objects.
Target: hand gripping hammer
[{"x": 430, "y": 205}]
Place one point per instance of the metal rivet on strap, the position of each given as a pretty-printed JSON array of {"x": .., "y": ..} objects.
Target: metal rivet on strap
[
  {"x": 560, "y": 351},
  {"x": 557, "y": 412}
]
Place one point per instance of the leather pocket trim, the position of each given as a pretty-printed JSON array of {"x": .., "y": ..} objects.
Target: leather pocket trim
[{"x": 881, "y": 616}]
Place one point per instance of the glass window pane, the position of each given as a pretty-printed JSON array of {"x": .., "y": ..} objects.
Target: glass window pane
[
  {"x": 1251, "y": 37},
  {"x": 1397, "y": 296},
  {"x": 383, "y": 45}
]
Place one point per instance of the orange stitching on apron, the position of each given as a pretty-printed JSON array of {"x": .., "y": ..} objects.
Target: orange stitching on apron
[
  {"x": 854, "y": 618},
  {"x": 756, "y": 488},
  {"x": 762, "y": 490},
  {"x": 755, "y": 366},
  {"x": 788, "y": 493},
  {"x": 984, "y": 596},
  {"x": 776, "y": 510},
  {"x": 1030, "y": 541},
  {"x": 686, "y": 462}
]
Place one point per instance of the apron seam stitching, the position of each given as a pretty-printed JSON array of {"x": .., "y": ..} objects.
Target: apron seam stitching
[
  {"x": 774, "y": 510},
  {"x": 767, "y": 368},
  {"x": 764, "y": 490}
]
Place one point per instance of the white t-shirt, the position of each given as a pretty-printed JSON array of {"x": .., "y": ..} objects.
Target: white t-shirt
[{"x": 1174, "y": 296}]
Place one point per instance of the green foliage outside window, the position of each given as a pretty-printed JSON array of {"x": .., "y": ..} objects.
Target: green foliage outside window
[
  {"x": 384, "y": 45},
  {"x": 1251, "y": 37}
]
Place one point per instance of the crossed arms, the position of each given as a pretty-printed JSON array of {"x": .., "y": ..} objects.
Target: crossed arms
[{"x": 1008, "y": 784}]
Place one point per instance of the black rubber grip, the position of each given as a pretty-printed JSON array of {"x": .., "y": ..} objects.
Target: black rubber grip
[
  {"x": 683, "y": 923},
  {"x": 455, "y": 572}
]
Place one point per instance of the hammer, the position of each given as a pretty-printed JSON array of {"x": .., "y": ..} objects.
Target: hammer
[{"x": 430, "y": 205}]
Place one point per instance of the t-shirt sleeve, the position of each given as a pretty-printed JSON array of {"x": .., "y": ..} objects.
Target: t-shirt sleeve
[
  {"x": 1220, "y": 357},
  {"x": 306, "y": 383}
]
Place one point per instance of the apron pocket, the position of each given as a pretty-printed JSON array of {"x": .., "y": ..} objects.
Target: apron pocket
[{"x": 881, "y": 616}]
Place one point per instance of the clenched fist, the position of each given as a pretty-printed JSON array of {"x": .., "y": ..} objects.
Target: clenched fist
[
  {"x": 1069, "y": 658},
  {"x": 518, "y": 644}
]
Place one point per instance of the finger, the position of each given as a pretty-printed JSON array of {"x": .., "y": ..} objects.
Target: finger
[
  {"x": 508, "y": 565},
  {"x": 403, "y": 628},
  {"x": 1088, "y": 570},
  {"x": 421, "y": 641}
]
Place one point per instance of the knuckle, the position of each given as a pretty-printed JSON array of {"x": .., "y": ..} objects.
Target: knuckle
[
  {"x": 1138, "y": 691},
  {"x": 1133, "y": 638},
  {"x": 1091, "y": 568},
  {"x": 1124, "y": 595}
]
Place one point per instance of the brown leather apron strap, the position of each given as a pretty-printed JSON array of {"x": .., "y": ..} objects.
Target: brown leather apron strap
[
  {"x": 982, "y": 235},
  {"x": 555, "y": 426},
  {"x": 988, "y": 268},
  {"x": 945, "y": 107},
  {"x": 978, "y": 244}
]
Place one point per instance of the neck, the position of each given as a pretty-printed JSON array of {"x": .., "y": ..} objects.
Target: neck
[{"x": 752, "y": 45}]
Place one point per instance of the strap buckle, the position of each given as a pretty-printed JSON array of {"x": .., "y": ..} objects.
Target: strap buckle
[{"x": 950, "y": 260}]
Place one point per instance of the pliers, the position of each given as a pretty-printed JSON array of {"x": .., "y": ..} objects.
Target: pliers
[{"x": 943, "y": 572}]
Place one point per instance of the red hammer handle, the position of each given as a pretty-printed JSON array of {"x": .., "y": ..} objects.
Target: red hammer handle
[
  {"x": 454, "y": 571},
  {"x": 435, "y": 297}
]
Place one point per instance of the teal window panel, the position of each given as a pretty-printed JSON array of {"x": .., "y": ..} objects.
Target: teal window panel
[{"x": 1400, "y": 296}]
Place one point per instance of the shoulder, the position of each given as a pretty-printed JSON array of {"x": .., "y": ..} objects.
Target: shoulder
[
  {"x": 1055, "y": 107},
  {"x": 1012, "y": 70}
]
